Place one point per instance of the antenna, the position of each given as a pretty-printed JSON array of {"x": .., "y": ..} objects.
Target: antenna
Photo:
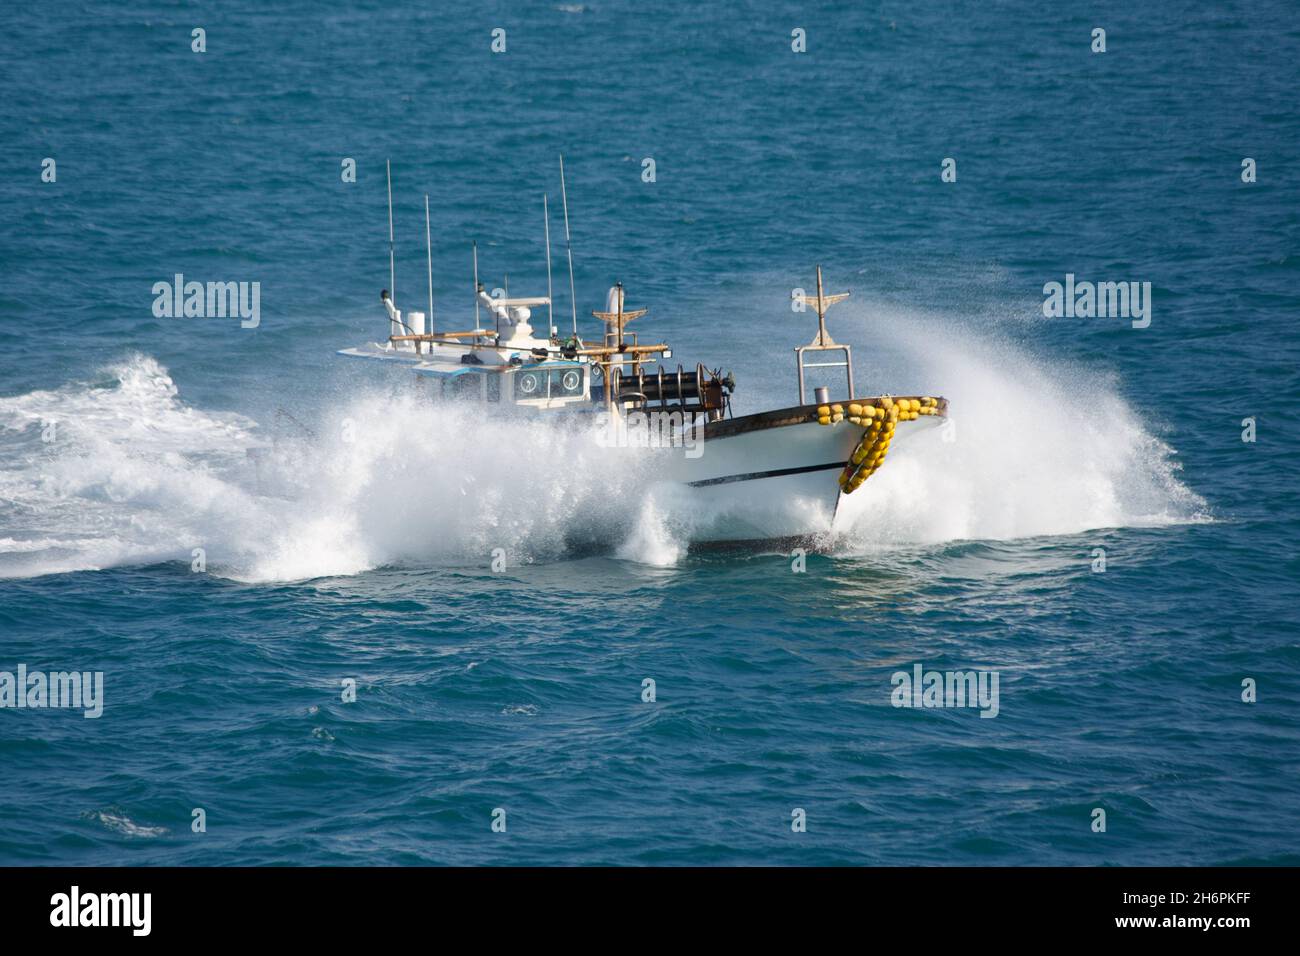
[
  {"x": 573, "y": 297},
  {"x": 504, "y": 295},
  {"x": 392, "y": 281},
  {"x": 477, "y": 325},
  {"x": 428, "y": 247},
  {"x": 550, "y": 317}
]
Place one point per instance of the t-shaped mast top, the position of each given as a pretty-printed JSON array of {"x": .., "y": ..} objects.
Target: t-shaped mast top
[
  {"x": 821, "y": 303},
  {"x": 619, "y": 317}
]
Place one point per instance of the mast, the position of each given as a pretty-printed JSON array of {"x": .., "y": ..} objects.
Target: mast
[
  {"x": 392, "y": 281},
  {"x": 614, "y": 343},
  {"x": 568, "y": 245},
  {"x": 824, "y": 302},
  {"x": 821, "y": 309},
  {"x": 495, "y": 313},
  {"x": 477, "y": 325},
  {"x": 550, "y": 317},
  {"x": 428, "y": 248},
  {"x": 619, "y": 286},
  {"x": 823, "y": 342}
]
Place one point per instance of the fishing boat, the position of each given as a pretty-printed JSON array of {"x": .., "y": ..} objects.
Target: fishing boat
[{"x": 771, "y": 476}]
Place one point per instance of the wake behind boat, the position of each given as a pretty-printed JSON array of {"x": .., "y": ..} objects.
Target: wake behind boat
[{"x": 768, "y": 476}]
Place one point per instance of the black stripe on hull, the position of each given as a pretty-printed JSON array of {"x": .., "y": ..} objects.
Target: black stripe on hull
[
  {"x": 755, "y": 475},
  {"x": 813, "y": 543}
]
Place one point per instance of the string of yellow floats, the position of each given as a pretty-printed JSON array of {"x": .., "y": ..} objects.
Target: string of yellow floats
[{"x": 877, "y": 420}]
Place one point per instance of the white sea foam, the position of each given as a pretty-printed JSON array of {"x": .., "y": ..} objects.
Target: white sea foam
[
  {"x": 119, "y": 822},
  {"x": 1038, "y": 447},
  {"x": 136, "y": 474}
]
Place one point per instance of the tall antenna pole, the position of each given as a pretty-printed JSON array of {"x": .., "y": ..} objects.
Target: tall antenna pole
[
  {"x": 573, "y": 296},
  {"x": 476, "y": 322},
  {"x": 505, "y": 294},
  {"x": 550, "y": 316},
  {"x": 428, "y": 248},
  {"x": 392, "y": 281}
]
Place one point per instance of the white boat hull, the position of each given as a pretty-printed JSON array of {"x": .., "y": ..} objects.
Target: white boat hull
[{"x": 776, "y": 479}]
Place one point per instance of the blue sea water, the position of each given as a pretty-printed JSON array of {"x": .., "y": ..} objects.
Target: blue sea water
[{"x": 369, "y": 560}]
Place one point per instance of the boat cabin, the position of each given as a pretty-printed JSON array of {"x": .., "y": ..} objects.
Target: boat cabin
[{"x": 543, "y": 386}]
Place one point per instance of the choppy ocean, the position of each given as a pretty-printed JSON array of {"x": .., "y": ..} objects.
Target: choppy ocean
[{"x": 124, "y": 438}]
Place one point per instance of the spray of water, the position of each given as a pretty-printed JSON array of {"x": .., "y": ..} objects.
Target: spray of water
[
  {"x": 1033, "y": 448},
  {"x": 132, "y": 474},
  {"x": 122, "y": 470}
]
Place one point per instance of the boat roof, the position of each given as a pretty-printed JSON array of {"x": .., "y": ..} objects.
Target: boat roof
[{"x": 453, "y": 369}]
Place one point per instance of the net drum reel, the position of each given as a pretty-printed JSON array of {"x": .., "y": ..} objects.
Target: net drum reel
[
  {"x": 700, "y": 391},
  {"x": 690, "y": 393}
]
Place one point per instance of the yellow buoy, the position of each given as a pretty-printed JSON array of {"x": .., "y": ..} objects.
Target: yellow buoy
[{"x": 878, "y": 421}]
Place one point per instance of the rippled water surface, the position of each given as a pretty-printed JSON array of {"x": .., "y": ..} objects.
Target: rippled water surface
[{"x": 355, "y": 542}]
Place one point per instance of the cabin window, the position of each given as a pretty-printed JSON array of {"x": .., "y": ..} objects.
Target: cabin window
[
  {"x": 492, "y": 387},
  {"x": 530, "y": 385},
  {"x": 467, "y": 387},
  {"x": 565, "y": 382}
]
